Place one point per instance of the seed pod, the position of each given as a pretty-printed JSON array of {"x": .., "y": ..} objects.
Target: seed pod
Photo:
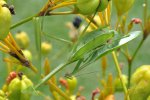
[
  {"x": 22, "y": 39},
  {"x": 5, "y": 20},
  {"x": 118, "y": 84},
  {"x": 110, "y": 97},
  {"x": 88, "y": 7},
  {"x": 14, "y": 89},
  {"x": 123, "y": 6},
  {"x": 26, "y": 83},
  {"x": 148, "y": 98},
  {"x": 140, "y": 80},
  {"x": 2, "y": 94},
  {"x": 2, "y": 2},
  {"x": 46, "y": 47},
  {"x": 27, "y": 54},
  {"x": 103, "y": 5},
  {"x": 17, "y": 87},
  {"x": 2, "y": 98}
]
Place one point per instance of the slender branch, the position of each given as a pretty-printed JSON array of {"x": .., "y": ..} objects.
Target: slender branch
[
  {"x": 130, "y": 61},
  {"x": 61, "y": 13},
  {"x": 145, "y": 11},
  {"x": 43, "y": 12},
  {"x": 138, "y": 48},
  {"x": 62, "y": 5}
]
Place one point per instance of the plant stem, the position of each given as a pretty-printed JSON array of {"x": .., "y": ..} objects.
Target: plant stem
[
  {"x": 138, "y": 48},
  {"x": 130, "y": 61},
  {"x": 62, "y": 5},
  {"x": 120, "y": 74},
  {"x": 61, "y": 13}
]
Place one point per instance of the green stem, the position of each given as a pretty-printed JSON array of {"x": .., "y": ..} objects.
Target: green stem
[
  {"x": 61, "y": 13},
  {"x": 145, "y": 11},
  {"x": 130, "y": 61},
  {"x": 31, "y": 17},
  {"x": 129, "y": 72},
  {"x": 138, "y": 48},
  {"x": 120, "y": 74}
]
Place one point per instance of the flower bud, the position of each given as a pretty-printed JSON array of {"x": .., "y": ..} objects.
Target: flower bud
[
  {"x": 140, "y": 80},
  {"x": 46, "y": 47},
  {"x": 22, "y": 39},
  {"x": 118, "y": 84},
  {"x": 5, "y": 20},
  {"x": 2, "y": 94},
  {"x": 73, "y": 97},
  {"x": 123, "y": 6},
  {"x": 110, "y": 97},
  {"x": 17, "y": 87},
  {"x": 2, "y": 2},
  {"x": 25, "y": 84},
  {"x": 27, "y": 54},
  {"x": 87, "y": 7},
  {"x": 14, "y": 89},
  {"x": 103, "y": 5},
  {"x": 148, "y": 98}
]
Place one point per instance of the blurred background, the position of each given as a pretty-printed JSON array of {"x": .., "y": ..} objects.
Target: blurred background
[{"x": 56, "y": 25}]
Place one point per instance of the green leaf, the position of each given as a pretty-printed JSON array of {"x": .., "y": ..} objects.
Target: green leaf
[{"x": 91, "y": 41}]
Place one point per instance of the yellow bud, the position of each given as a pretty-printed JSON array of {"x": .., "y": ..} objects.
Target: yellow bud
[
  {"x": 46, "y": 47},
  {"x": 2, "y": 94},
  {"x": 2, "y": 2},
  {"x": 118, "y": 84},
  {"x": 87, "y": 6},
  {"x": 27, "y": 54},
  {"x": 22, "y": 39},
  {"x": 17, "y": 88},
  {"x": 140, "y": 80},
  {"x": 123, "y": 6},
  {"x": 5, "y": 20}
]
